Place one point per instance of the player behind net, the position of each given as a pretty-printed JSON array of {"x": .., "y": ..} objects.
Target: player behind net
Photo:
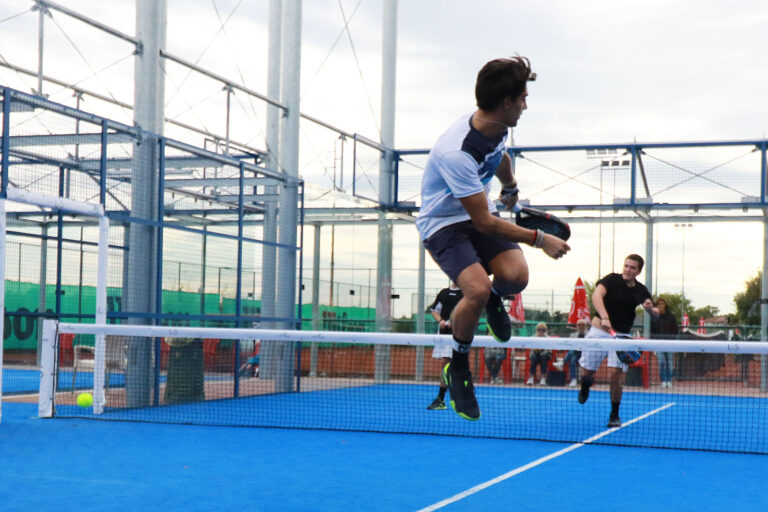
[{"x": 615, "y": 298}]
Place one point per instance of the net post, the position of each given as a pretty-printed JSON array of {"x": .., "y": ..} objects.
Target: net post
[
  {"x": 99, "y": 368},
  {"x": 45, "y": 408}
]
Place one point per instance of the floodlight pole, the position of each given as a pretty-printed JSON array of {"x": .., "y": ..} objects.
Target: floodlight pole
[
  {"x": 386, "y": 196},
  {"x": 269, "y": 349},
  {"x": 140, "y": 286},
  {"x": 285, "y": 305}
]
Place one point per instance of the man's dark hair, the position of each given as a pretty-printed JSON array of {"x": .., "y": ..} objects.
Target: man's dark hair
[
  {"x": 639, "y": 259},
  {"x": 500, "y": 78}
]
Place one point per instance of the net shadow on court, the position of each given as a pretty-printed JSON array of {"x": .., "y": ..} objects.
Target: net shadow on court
[{"x": 674, "y": 420}]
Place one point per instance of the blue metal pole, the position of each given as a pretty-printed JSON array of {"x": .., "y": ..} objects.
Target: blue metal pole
[
  {"x": 59, "y": 243},
  {"x": 6, "y": 139},
  {"x": 354, "y": 164},
  {"x": 633, "y": 175},
  {"x": 763, "y": 177},
  {"x": 103, "y": 164},
  {"x": 301, "y": 288},
  {"x": 239, "y": 281}
]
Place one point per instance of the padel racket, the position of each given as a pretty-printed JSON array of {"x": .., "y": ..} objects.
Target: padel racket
[
  {"x": 626, "y": 356},
  {"x": 532, "y": 218}
]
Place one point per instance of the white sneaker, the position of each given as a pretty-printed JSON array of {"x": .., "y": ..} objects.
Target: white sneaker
[
  {"x": 543, "y": 381},
  {"x": 529, "y": 381},
  {"x": 499, "y": 380},
  {"x": 669, "y": 383},
  {"x": 664, "y": 384},
  {"x": 573, "y": 383}
]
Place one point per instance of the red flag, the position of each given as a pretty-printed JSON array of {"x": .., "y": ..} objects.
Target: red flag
[
  {"x": 702, "y": 329},
  {"x": 516, "y": 312},
  {"x": 686, "y": 321},
  {"x": 579, "y": 304}
]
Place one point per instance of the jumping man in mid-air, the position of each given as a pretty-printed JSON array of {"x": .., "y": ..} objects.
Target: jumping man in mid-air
[{"x": 460, "y": 226}]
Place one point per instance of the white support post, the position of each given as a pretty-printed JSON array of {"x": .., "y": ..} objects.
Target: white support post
[
  {"x": 47, "y": 370},
  {"x": 100, "y": 352}
]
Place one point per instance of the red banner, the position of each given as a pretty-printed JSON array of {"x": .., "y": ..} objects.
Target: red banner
[
  {"x": 686, "y": 322},
  {"x": 702, "y": 329},
  {"x": 579, "y": 304},
  {"x": 516, "y": 312}
]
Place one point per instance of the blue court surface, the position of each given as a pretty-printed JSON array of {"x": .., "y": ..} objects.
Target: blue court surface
[{"x": 81, "y": 464}]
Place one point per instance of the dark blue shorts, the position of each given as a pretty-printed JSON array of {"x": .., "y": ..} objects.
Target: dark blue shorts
[{"x": 457, "y": 246}]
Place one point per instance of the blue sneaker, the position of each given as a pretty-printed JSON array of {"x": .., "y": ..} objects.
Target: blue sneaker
[
  {"x": 497, "y": 319},
  {"x": 462, "y": 393}
]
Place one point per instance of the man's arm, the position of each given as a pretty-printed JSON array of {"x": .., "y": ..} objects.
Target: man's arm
[
  {"x": 476, "y": 206},
  {"x": 509, "y": 190},
  {"x": 650, "y": 308},
  {"x": 504, "y": 171},
  {"x": 597, "y": 301}
]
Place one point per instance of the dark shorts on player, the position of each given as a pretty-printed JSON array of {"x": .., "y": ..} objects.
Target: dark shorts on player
[{"x": 457, "y": 246}]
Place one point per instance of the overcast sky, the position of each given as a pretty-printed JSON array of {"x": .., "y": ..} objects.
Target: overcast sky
[{"x": 608, "y": 71}]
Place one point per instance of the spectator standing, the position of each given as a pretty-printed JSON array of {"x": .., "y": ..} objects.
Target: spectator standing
[{"x": 665, "y": 327}]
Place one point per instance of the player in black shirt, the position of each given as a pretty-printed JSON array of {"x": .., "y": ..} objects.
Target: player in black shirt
[
  {"x": 441, "y": 310},
  {"x": 615, "y": 299}
]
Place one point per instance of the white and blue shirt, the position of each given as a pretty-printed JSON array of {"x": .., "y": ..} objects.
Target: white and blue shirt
[{"x": 462, "y": 163}]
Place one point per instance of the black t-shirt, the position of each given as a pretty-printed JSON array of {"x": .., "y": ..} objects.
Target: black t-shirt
[
  {"x": 665, "y": 324},
  {"x": 445, "y": 302},
  {"x": 621, "y": 301}
]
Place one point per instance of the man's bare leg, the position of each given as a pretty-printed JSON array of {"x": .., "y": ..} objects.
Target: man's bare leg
[{"x": 475, "y": 287}]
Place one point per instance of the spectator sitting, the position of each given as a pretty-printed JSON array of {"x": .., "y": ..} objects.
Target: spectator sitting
[
  {"x": 539, "y": 357},
  {"x": 251, "y": 367},
  {"x": 572, "y": 356},
  {"x": 494, "y": 357}
]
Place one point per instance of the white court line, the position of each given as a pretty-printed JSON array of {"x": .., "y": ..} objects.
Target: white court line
[
  {"x": 28, "y": 395},
  {"x": 510, "y": 474}
]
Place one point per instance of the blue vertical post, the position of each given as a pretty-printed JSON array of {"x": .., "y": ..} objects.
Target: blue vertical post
[
  {"x": 763, "y": 177},
  {"x": 354, "y": 163},
  {"x": 103, "y": 165},
  {"x": 633, "y": 175},
  {"x": 102, "y": 170},
  {"x": 59, "y": 248},
  {"x": 396, "y": 171},
  {"x": 159, "y": 262},
  {"x": 239, "y": 282},
  {"x": 6, "y": 140},
  {"x": 301, "y": 288}
]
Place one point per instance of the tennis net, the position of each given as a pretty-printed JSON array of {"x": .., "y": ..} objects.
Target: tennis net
[{"x": 384, "y": 382}]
